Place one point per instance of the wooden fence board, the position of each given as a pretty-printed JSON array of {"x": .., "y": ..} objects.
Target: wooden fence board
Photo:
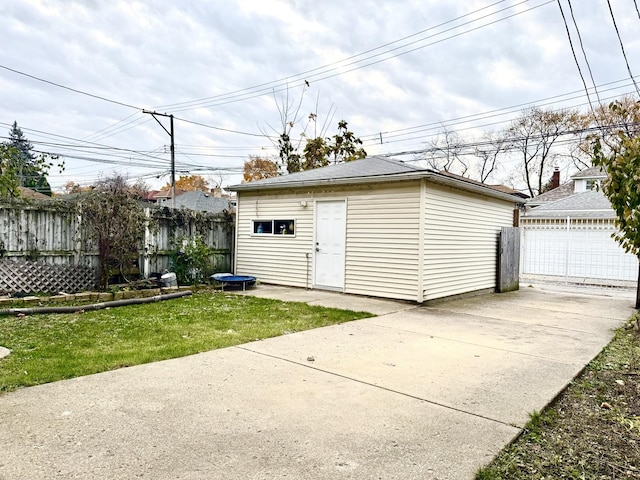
[
  {"x": 37, "y": 233},
  {"x": 509, "y": 260}
]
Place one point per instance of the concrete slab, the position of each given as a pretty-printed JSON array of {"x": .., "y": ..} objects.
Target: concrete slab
[
  {"x": 325, "y": 298},
  {"x": 233, "y": 414},
  {"x": 417, "y": 392},
  {"x": 572, "y": 302},
  {"x": 477, "y": 375}
]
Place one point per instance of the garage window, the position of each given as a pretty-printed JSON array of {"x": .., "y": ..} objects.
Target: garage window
[{"x": 273, "y": 227}]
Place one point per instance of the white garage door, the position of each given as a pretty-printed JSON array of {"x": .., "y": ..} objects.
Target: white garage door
[{"x": 585, "y": 250}]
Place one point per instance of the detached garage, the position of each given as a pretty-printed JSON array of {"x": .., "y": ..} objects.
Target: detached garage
[{"x": 375, "y": 227}]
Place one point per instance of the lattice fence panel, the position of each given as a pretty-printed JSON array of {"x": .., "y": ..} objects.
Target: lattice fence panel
[{"x": 35, "y": 277}]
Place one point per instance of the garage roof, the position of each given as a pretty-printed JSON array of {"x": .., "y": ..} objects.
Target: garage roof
[
  {"x": 590, "y": 204},
  {"x": 370, "y": 170}
]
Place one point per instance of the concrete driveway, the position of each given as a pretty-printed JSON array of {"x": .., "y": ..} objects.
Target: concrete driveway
[{"x": 414, "y": 393}]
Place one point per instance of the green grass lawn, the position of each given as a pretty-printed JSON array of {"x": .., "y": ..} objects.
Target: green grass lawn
[{"x": 47, "y": 348}]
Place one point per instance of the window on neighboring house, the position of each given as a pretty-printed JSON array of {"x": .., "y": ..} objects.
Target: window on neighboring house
[
  {"x": 273, "y": 227},
  {"x": 592, "y": 184}
]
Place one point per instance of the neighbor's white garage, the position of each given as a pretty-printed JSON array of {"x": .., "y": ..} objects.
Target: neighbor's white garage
[{"x": 571, "y": 240}]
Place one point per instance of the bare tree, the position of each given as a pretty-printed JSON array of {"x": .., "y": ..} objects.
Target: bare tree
[
  {"x": 445, "y": 153},
  {"x": 492, "y": 145},
  {"x": 534, "y": 135},
  {"x": 290, "y": 116}
]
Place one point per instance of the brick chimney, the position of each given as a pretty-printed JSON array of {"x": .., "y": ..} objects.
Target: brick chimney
[{"x": 555, "y": 179}]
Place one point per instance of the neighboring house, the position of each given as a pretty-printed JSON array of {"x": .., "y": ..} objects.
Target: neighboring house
[
  {"x": 200, "y": 201},
  {"x": 374, "y": 226},
  {"x": 158, "y": 196},
  {"x": 580, "y": 182},
  {"x": 567, "y": 236},
  {"x": 32, "y": 194}
]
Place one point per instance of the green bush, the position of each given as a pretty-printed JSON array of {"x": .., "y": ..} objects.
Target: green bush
[{"x": 191, "y": 260}]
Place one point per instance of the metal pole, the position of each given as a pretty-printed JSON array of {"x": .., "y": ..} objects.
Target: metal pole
[
  {"x": 172, "y": 148},
  {"x": 173, "y": 165},
  {"x": 567, "y": 251}
]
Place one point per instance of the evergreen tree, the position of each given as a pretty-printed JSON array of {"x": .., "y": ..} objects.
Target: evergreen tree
[{"x": 30, "y": 169}]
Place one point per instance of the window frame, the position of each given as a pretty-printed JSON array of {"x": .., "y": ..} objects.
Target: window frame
[{"x": 275, "y": 224}]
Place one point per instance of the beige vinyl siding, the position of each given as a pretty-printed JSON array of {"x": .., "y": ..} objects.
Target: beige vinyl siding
[
  {"x": 383, "y": 258},
  {"x": 277, "y": 259},
  {"x": 461, "y": 241},
  {"x": 382, "y": 249}
]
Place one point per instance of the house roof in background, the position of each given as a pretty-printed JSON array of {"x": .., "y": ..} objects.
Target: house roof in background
[
  {"x": 159, "y": 195},
  {"x": 200, "y": 201},
  {"x": 563, "y": 191},
  {"x": 590, "y": 204},
  {"x": 593, "y": 172},
  {"x": 28, "y": 193},
  {"x": 370, "y": 170},
  {"x": 566, "y": 189}
]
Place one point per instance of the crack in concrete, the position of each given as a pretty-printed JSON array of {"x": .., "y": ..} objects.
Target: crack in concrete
[{"x": 397, "y": 392}]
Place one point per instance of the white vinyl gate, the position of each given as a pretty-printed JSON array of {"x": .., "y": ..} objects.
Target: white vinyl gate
[{"x": 575, "y": 250}]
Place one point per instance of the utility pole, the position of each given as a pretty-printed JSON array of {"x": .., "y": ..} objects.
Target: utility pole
[{"x": 172, "y": 149}]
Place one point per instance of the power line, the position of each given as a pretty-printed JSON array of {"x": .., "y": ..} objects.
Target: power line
[
  {"x": 584, "y": 53},
  {"x": 335, "y": 63},
  {"x": 114, "y": 129},
  {"x": 615, "y": 25},
  {"x": 325, "y": 72},
  {"x": 300, "y": 76},
  {"x": 510, "y": 140},
  {"x": 121, "y": 103},
  {"x": 69, "y": 88},
  {"x": 221, "y": 129},
  {"x": 110, "y": 126},
  {"x": 575, "y": 58},
  {"x": 373, "y": 138},
  {"x": 47, "y": 134}
]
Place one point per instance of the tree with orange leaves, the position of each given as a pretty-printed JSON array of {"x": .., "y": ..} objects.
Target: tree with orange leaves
[
  {"x": 190, "y": 183},
  {"x": 257, "y": 168}
]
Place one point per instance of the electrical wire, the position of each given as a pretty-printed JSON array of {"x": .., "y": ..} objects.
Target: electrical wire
[
  {"x": 326, "y": 74},
  {"x": 81, "y": 92},
  {"x": 221, "y": 129},
  {"x": 584, "y": 53},
  {"x": 510, "y": 141},
  {"x": 109, "y": 127},
  {"x": 575, "y": 58},
  {"x": 626, "y": 61},
  {"x": 473, "y": 118},
  {"x": 306, "y": 73}
]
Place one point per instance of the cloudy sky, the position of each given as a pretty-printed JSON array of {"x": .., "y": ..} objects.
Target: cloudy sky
[{"x": 76, "y": 75}]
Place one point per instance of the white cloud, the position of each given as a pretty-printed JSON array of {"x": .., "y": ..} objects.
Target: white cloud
[{"x": 159, "y": 52}]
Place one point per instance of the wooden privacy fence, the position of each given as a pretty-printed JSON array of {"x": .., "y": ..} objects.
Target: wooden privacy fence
[
  {"x": 509, "y": 260},
  {"x": 35, "y": 235}
]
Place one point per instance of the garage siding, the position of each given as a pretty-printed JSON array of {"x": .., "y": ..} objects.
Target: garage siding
[
  {"x": 384, "y": 231},
  {"x": 383, "y": 225},
  {"x": 278, "y": 259},
  {"x": 381, "y": 248},
  {"x": 461, "y": 241}
]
